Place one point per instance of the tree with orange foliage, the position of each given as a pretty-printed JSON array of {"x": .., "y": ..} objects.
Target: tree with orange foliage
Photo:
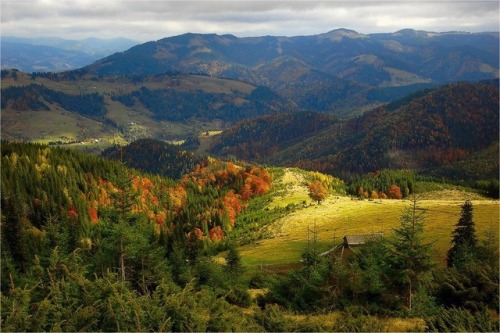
[
  {"x": 216, "y": 234},
  {"x": 317, "y": 192},
  {"x": 394, "y": 192},
  {"x": 232, "y": 205},
  {"x": 93, "y": 215}
]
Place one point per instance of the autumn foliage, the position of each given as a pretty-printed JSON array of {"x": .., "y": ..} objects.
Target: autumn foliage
[
  {"x": 317, "y": 191},
  {"x": 206, "y": 201},
  {"x": 394, "y": 192}
]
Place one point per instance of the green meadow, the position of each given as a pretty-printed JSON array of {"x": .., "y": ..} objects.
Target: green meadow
[{"x": 340, "y": 215}]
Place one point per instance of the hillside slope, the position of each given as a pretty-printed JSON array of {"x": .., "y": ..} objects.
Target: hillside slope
[
  {"x": 69, "y": 107},
  {"x": 339, "y": 216},
  {"x": 426, "y": 131}
]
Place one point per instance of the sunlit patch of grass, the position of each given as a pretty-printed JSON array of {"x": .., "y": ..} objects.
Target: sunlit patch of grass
[
  {"x": 339, "y": 216},
  {"x": 328, "y": 320},
  {"x": 404, "y": 324},
  {"x": 325, "y": 320}
]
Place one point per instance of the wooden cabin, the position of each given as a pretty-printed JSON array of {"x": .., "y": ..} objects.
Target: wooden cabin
[{"x": 349, "y": 244}]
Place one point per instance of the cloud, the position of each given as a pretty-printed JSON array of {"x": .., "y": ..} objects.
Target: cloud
[{"x": 149, "y": 20}]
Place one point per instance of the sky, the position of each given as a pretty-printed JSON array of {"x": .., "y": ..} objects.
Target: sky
[{"x": 144, "y": 20}]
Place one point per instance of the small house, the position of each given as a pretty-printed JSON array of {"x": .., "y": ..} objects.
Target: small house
[{"x": 351, "y": 241}]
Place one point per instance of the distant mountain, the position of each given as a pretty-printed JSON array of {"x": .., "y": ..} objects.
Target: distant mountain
[
  {"x": 49, "y": 54},
  {"x": 341, "y": 70},
  {"x": 439, "y": 130}
]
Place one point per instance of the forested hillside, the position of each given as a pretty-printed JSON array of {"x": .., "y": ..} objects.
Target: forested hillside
[
  {"x": 61, "y": 208},
  {"x": 153, "y": 156},
  {"x": 89, "y": 244},
  {"x": 440, "y": 131},
  {"x": 73, "y": 107}
]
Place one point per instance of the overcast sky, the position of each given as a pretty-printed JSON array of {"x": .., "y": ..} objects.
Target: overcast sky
[{"x": 152, "y": 20}]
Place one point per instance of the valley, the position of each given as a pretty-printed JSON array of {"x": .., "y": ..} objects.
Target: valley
[
  {"x": 120, "y": 123},
  {"x": 193, "y": 184}
]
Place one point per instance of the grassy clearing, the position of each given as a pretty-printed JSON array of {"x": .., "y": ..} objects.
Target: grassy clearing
[
  {"x": 133, "y": 122},
  {"x": 53, "y": 125},
  {"x": 206, "y": 139},
  {"x": 339, "y": 216}
]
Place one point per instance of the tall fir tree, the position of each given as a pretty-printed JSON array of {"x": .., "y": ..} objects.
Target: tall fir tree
[
  {"x": 410, "y": 257},
  {"x": 464, "y": 237},
  {"x": 123, "y": 200}
]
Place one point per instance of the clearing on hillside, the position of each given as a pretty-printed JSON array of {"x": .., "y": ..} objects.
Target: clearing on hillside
[{"x": 340, "y": 215}]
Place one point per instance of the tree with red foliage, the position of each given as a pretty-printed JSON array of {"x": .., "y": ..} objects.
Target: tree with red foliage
[
  {"x": 93, "y": 215},
  {"x": 72, "y": 214}
]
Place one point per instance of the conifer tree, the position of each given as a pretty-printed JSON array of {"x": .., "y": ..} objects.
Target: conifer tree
[
  {"x": 233, "y": 259},
  {"x": 123, "y": 200},
  {"x": 410, "y": 255},
  {"x": 464, "y": 236}
]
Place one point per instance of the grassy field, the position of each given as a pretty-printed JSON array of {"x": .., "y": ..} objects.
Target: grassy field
[
  {"x": 132, "y": 122},
  {"x": 338, "y": 216}
]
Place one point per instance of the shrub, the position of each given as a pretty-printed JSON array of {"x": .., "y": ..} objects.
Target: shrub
[
  {"x": 461, "y": 320},
  {"x": 355, "y": 319}
]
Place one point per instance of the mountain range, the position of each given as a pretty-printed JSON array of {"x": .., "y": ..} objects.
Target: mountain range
[
  {"x": 51, "y": 54},
  {"x": 338, "y": 102},
  {"x": 340, "y": 71},
  {"x": 434, "y": 131}
]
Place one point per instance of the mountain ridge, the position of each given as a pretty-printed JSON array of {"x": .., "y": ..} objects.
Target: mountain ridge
[
  {"x": 424, "y": 132},
  {"x": 335, "y": 61}
]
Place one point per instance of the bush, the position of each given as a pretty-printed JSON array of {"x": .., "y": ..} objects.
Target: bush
[
  {"x": 461, "y": 320},
  {"x": 355, "y": 319},
  {"x": 272, "y": 319}
]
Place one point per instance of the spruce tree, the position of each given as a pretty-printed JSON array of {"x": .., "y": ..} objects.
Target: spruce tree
[
  {"x": 464, "y": 237},
  {"x": 410, "y": 255}
]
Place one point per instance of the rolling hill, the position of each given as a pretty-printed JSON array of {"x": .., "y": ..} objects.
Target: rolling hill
[
  {"x": 70, "y": 108},
  {"x": 340, "y": 71},
  {"x": 441, "y": 129}
]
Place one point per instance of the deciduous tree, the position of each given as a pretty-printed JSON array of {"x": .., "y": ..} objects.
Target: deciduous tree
[
  {"x": 394, "y": 192},
  {"x": 317, "y": 192}
]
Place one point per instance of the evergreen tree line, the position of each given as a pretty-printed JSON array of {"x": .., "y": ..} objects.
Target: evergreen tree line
[
  {"x": 371, "y": 184},
  {"x": 396, "y": 277},
  {"x": 35, "y": 97}
]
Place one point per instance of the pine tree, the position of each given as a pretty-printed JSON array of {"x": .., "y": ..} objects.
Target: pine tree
[
  {"x": 410, "y": 255},
  {"x": 464, "y": 236},
  {"x": 233, "y": 259},
  {"x": 123, "y": 200}
]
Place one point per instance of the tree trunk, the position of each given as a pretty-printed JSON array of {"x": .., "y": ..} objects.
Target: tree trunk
[
  {"x": 122, "y": 261},
  {"x": 409, "y": 295}
]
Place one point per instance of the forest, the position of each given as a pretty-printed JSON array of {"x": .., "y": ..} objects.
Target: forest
[
  {"x": 35, "y": 97},
  {"x": 173, "y": 105},
  {"x": 446, "y": 132},
  {"x": 90, "y": 244}
]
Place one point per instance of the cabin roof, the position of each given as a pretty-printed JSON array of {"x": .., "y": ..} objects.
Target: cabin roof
[{"x": 361, "y": 239}]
